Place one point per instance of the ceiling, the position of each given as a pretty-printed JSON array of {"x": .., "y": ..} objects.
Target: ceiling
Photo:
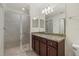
[
  {"x": 58, "y": 7},
  {"x": 37, "y": 6},
  {"x": 43, "y": 5}
]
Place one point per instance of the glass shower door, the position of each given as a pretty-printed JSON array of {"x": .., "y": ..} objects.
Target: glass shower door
[
  {"x": 25, "y": 32},
  {"x": 11, "y": 32}
]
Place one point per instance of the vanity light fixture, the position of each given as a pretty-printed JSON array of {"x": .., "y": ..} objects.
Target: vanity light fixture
[{"x": 47, "y": 10}]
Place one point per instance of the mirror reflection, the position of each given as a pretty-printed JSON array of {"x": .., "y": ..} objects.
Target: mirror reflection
[
  {"x": 55, "y": 21},
  {"x": 51, "y": 19}
]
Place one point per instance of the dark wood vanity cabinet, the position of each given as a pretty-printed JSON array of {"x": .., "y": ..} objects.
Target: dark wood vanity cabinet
[
  {"x": 42, "y": 46},
  {"x": 36, "y": 46},
  {"x": 46, "y": 47},
  {"x": 51, "y": 48},
  {"x": 42, "y": 49},
  {"x": 33, "y": 43},
  {"x": 51, "y": 51}
]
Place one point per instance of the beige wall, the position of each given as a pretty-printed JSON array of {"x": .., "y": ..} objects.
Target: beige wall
[
  {"x": 1, "y": 32},
  {"x": 72, "y": 26}
]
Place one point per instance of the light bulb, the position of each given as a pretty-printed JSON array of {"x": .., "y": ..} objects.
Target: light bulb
[
  {"x": 23, "y": 8},
  {"x": 51, "y": 10},
  {"x": 48, "y": 8},
  {"x": 34, "y": 18},
  {"x": 43, "y": 11}
]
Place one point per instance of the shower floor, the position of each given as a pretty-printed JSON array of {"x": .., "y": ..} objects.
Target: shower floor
[{"x": 17, "y": 51}]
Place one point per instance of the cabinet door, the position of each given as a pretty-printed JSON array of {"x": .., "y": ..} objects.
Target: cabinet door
[
  {"x": 51, "y": 51},
  {"x": 33, "y": 42},
  {"x": 37, "y": 46},
  {"x": 42, "y": 49}
]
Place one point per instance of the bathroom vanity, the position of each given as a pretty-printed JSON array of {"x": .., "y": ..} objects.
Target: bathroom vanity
[
  {"x": 50, "y": 39},
  {"x": 48, "y": 44}
]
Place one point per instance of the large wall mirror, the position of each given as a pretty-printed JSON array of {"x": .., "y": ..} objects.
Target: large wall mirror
[
  {"x": 35, "y": 23},
  {"x": 55, "y": 21},
  {"x": 41, "y": 23}
]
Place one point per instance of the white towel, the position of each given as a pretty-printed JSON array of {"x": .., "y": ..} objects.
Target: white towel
[{"x": 76, "y": 46}]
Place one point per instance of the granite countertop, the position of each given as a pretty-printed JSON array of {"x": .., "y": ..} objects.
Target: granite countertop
[{"x": 53, "y": 37}]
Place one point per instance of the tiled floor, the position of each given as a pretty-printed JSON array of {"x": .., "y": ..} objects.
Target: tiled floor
[
  {"x": 16, "y": 51},
  {"x": 31, "y": 53}
]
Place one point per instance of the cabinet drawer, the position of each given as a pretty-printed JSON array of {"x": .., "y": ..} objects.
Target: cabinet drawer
[
  {"x": 52, "y": 43},
  {"x": 42, "y": 40}
]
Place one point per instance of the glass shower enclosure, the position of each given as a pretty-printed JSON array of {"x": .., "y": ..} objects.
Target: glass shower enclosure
[{"x": 16, "y": 32}]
